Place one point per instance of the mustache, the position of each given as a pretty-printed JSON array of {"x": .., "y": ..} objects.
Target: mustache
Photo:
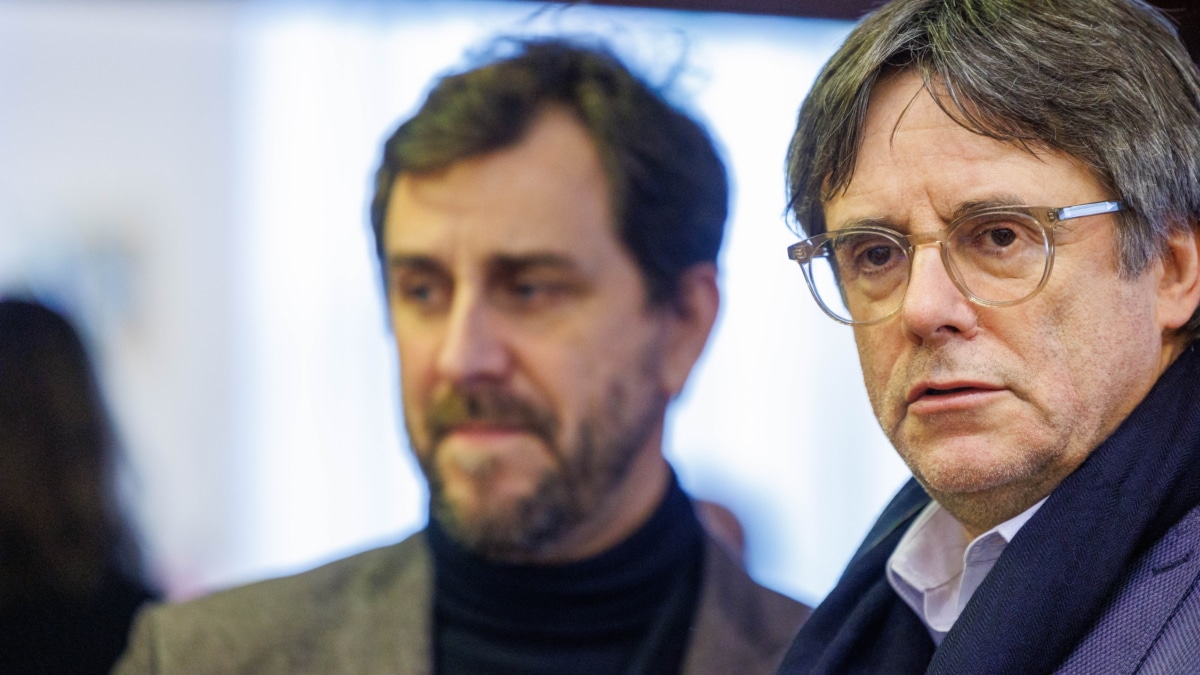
[{"x": 490, "y": 405}]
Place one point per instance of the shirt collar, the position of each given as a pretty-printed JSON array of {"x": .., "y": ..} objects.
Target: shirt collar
[{"x": 935, "y": 570}]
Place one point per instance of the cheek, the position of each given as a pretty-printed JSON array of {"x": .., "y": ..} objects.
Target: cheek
[
  {"x": 411, "y": 361},
  {"x": 569, "y": 374},
  {"x": 580, "y": 374},
  {"x": 1085, "y": 356},
  {"x": 1113, "y": 349},
  {"x": 416, "y": 359},
  {"x": 878, "y": 356}
]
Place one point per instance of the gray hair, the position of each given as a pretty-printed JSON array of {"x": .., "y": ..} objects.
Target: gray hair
[{"x": 1105, "y": 81}]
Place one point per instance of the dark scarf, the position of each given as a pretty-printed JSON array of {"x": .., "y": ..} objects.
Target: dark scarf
[
  {"x": 1054, "y": 579},
  {"x": 624, "y": 611}
]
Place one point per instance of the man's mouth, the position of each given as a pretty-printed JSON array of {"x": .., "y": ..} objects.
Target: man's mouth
[
  {"x": 477, "y": 447},
  {"x": 943, "y": 397},
  {"x": 485, "y": 430},
  {"x": 932, "y": 391}
]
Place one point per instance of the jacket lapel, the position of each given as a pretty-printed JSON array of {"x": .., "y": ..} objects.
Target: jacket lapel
[
  {"x": 739, "y": 627},
  {"x": 863, "y": 626}
]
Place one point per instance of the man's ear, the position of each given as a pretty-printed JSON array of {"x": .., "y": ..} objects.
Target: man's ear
[
  {"x": 1179, "y": 288},
  {"x": 689, "y": 320}
]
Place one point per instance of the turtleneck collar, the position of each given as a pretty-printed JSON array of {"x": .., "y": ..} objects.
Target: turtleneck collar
[{"x": 613, "y": 598}]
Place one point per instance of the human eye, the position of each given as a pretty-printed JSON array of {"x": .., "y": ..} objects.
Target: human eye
[
  {"x": 867, "y": 255},
  {"x": 534, "y": 290},
  {"x": 998, "y": 235},
  {"x": 426, "y": 291}
]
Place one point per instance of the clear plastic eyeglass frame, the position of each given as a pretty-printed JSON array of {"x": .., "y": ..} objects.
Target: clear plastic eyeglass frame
[{"x": 1048, "y": 218}]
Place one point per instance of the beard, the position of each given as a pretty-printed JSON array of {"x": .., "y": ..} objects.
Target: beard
[{"x": 605, "y": 445}]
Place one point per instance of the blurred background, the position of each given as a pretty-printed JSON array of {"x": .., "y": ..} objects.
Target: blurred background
[{"x": 189, "y": 180}]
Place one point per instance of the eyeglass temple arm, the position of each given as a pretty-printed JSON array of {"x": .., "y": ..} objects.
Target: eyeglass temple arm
[{"x": 1084, "y": 210}]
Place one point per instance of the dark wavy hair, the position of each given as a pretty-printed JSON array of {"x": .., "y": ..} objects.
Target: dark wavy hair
[
  {"x": 61, "y": 530},
  {"x": 1105, "y": 81},
  {"x": 669, "y": 188}
]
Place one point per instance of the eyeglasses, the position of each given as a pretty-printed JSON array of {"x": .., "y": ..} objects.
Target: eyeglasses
[{"x": 997, "y": 257}]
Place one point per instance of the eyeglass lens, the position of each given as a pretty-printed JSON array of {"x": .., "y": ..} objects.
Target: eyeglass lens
[{"x": 862, "y": 275}]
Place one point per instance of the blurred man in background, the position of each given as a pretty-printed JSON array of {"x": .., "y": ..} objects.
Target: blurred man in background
[
  {"x": 548, "y": 228},
  {"x": 1002, "y": 200}
]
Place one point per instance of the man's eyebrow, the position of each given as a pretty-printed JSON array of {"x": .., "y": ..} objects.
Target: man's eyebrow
[
  {"x": 420, "y": 263},
  {"x": 961, "y": 209},
  {"x": 498, "y": 265},
  {"x": 514, "y": 263},
  {"x": 976, "y": 205}
]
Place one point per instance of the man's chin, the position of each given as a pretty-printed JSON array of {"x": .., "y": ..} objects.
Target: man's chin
[
  {"x": 471, "y": 512},
  {"x": 505, "y": 539},
  {"x": 511, "y": 527},
  {"x": 969, "y": 466}
]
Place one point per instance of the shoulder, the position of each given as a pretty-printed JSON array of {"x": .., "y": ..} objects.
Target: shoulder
[
  {"x": 268, "y": 625},
  {"x": 1153, "y": 622},
  {"x": 740, "y": 626},
  {"x": 334, "y": 583}
]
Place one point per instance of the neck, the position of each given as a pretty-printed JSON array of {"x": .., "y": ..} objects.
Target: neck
[
  {"x": 630, "y": 603},
  {"x": 618, "y": 514},
  {"x": 981, "y": 511}
]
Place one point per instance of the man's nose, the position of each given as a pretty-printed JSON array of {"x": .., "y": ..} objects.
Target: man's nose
[
  {"x": 474, "y": 345},
  {"x": 934, "y": 307}
]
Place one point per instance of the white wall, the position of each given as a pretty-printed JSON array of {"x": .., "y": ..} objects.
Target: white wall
[
  {"x": 116, "y": 169},
  {"x": 194, "y": 178}
]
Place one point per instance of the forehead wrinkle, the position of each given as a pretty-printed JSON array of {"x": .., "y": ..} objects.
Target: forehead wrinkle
[
  {"x": 904, "y": 112},
  {"x": 970, "y": 206},
  {"x": 961, "y": 210},
  {"x": 867, "y": 221},
  {"x": 849, "y": 189}
]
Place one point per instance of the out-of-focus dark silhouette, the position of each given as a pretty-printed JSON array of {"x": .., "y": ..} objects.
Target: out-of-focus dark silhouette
[{"x": 70, "y": 569}]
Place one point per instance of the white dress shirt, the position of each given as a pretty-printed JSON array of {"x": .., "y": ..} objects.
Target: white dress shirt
[{"x": 936, "y": 570}]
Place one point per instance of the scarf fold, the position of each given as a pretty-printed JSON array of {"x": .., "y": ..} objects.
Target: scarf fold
[{"x": 1053, "y": 580}]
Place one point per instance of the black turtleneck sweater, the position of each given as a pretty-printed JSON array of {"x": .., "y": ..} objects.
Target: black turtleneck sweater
[{"x": 624, "y": 611}]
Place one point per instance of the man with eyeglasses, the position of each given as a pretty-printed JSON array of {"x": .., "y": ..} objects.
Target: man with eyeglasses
[{"x": 1001, "y": 200}]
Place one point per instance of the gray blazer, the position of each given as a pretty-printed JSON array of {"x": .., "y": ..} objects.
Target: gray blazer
[{"x": 370, "y": 613}]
